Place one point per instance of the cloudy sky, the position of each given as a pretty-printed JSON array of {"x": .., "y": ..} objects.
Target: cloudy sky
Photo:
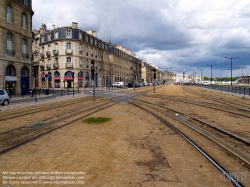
[{"x": 182, "y": 34}]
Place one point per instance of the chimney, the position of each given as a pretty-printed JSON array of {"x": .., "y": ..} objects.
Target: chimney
[
  {"x": 91, "y": 32},
  {"x": 74, "y": 25},
  {"x": 53, "y": 27},
  {"x": 43, "y": 28}
]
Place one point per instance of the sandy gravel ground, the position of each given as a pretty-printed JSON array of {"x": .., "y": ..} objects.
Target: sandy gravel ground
[{"x": 133, "y": 149}]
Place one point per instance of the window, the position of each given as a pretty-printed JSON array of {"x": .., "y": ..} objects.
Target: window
[
  {"x": 68, "y": 33},
  {"x": 9, "y": 13},
  {"x": 9, "y": 44},
  {"x": 87, "y": 63},
  {"x": 49, "y": 38},
  {"x": 68, "y": 60},
  {"x": 80, "y": 49},
  {"x": 24, "y": 21},
  {"x": 56, "y": 46},
  {"x": 80, "y": 35},
  {"x": 68, "y": 45},
  {"x": 56, "y": 34},
  {"x": 80, "y": 62},
  {"x": 86, "y": 50},
  {"x": 24, "y": 48},
  {"x": 42, "y": 38},
  {"x": 56, "y": 61}
]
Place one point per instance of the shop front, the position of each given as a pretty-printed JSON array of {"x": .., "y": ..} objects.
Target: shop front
[
  {"x": 80, "y": 79},
  {"x": 57, "y": 79},
  {"x": 68, "y": 80},
  {"x": 10, "y": 79}
]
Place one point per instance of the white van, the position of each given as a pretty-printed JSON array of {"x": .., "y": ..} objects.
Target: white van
[
  {"x": 206, "y": 82},
  {"x": 118, "y": 84}
]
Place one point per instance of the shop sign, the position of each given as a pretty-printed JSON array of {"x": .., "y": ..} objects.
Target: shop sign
[{"x": 10, "y": 78}]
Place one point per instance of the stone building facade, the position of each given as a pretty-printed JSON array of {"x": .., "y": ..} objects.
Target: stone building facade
[
  {"x": 125, "y": 65},
  {"x": 148, "y": 73},
  {"x": 63, "y": 56},
  {"x": 15, "y": 45}
]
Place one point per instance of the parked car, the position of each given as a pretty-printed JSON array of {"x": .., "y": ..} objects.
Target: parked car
[
  {"x": 4, "y": 98},
  {"x": 118, "y": 84}
]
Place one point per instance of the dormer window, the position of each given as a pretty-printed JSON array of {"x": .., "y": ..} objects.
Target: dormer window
[
  {"x": 80, "y": 35},
  {"x": 49, "y": 36},
  {"x": 42, "y": 38},
  {"x": 68, "y": 33},
  {"x": 56, "y": 34}
]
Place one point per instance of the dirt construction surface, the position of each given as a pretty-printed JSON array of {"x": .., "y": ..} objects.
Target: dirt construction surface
[{"x": 132, "y": 149}]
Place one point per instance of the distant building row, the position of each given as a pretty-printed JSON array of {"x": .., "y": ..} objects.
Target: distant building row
[{"x": 62, "y": 52}]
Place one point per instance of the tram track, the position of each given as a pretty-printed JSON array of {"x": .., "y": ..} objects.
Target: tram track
[
  {"x": 17, "y": 137},
  {"x": 215, "y": 106},
  {"x": 192, "y": 142},
  {"x": 34, "y": 109},
  {"x": 229, "y": 141}
]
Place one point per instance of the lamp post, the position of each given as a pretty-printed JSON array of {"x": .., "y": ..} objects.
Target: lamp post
[
  {"x": 201, "y": 73},
  {"x": 231, "y": 68},
  {"x": 211, "y": 71},
  {"x": 154, "y": 70},
  {"x": 183, "y": 80}
]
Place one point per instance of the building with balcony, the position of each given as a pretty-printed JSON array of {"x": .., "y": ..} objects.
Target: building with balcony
[
  {"x": 15, "y": 45},
  {"x": 68, "y": 51},
  {"x": 65, "y": 55},
  {"x": 125, "y": 65}
]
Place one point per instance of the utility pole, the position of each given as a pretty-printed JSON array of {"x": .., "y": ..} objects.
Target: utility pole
[
  {"x": 232, "y": 68},
  {"x": 93, "y": 75},
  {"x": 211, "y": 71},
  {"x": 201, "y": 73}
]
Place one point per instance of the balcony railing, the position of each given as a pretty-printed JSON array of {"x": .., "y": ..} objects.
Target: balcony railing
[
  {"x": 69, "y": 65},
  {"x": 36, "y": 63},
  {"x": 48, "y": 66},
  {"x": 80, "y": 51},
  {"x": 55, "y": 52},
  {"x": 10, "y": 52},
  {"x": 42, "y": 67},
  {"x": 69, "y": 51},
  {"x": 48, "y": 53},
  {"x": 36, "y": 51},
  {"x": 56, "y": 65},
  {"x": 25, "y": 55},
  {"x": 42, "y": 55}
]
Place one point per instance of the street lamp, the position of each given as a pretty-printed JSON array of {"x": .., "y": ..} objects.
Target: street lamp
[
  {"x": 211, "y": 72},
  {"x": 183, "y": 79},
  {"x": 231, "y": 68},
  {"x": 154, "y": 70},
  {"x": 201, "y": 73}
]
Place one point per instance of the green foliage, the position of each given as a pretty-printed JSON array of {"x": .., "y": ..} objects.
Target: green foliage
[{"x": 96, "y": 120}]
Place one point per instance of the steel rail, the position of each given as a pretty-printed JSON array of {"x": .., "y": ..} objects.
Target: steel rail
[
  {"x": 210, "y": 125},
  {"x": 216, "y": 164}
]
